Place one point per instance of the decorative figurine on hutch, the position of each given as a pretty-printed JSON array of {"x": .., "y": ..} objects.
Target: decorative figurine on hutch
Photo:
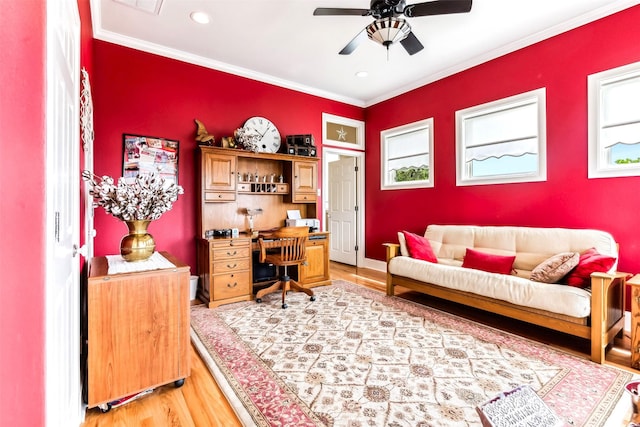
[{"x": 202, "y": 136}]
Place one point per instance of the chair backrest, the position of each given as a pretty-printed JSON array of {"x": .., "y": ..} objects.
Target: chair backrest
[{"x": 292, "y": 242}]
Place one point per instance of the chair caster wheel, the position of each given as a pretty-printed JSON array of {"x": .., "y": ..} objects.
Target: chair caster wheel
[
  {"x": 258, "y": 300},
  {"x": 313, "y": 298},
  {"x": 284, "y": 306}
]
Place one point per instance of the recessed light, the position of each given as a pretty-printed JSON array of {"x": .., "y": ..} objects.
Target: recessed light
[
  {"x": 362, "y": 74},
  {"x": 200, "y": 17}
]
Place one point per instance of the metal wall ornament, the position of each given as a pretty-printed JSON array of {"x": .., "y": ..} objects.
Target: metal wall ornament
[{"x": 86, "y": 112}]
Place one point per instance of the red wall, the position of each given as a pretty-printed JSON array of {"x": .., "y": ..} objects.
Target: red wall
[
  {"x": 140, "y": 93},
  {"x": 567, "y": 198},
  {"x": 22, "y": 213}
]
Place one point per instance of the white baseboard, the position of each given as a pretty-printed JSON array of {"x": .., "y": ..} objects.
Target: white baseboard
[{"x": 375, "y": 264}]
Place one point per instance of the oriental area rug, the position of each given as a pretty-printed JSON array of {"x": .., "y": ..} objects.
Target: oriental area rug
[{"x": 355, "y": 357}]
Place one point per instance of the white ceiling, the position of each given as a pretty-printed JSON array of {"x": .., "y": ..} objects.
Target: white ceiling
[{"x": 281, "y": 42}]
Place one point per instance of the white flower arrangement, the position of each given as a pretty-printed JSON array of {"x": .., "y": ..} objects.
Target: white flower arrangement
[
  {"x": 249, "y": 140},
  {"x": 146, "y": 198}
]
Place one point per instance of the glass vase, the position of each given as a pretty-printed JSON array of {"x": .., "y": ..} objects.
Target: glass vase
[{"x": 138, "y": 245}]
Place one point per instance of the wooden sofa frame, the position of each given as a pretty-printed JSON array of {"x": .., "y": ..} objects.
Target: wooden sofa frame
[{"x": 607, "y": 306}]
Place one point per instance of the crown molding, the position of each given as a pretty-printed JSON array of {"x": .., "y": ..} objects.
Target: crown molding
[
  {"x": 101, "y": 34},
  {"x": 164, "y": 51}
]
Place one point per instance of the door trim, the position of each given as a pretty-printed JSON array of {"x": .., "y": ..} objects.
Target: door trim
[{"x": 360, "y": 216}]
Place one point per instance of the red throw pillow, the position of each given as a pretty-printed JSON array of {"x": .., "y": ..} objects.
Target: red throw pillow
[
  {"x": 502, "y": 264},
  {"x": 419, "y": 247},
  {"x": 590, "y": 262}
]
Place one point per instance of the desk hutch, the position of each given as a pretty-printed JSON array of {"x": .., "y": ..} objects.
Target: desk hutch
[{"x": 232, "y": 181}]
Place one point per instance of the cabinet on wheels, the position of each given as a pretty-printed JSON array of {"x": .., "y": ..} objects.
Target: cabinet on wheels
[{"x": 137, "y": 330}]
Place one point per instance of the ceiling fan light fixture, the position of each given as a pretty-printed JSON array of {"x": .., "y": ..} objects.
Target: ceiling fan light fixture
[{"x": 387, "y": 31}]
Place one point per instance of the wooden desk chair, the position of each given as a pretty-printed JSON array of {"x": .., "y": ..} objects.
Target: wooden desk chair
[{"x": 288, "y": 247}]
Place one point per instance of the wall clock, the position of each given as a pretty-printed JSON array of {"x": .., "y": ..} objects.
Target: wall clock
[{"x": 268, "y": 135}]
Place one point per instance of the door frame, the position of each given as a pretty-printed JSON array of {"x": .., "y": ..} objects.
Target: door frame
[{"x": 360, "y": 185}]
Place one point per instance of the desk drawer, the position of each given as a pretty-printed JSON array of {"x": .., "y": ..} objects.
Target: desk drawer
[
  {"x": 231, "y": 266},
  {"x": 230, "y": 242},
  {"x": 231, "y": 253},
  {"x": 231, "y": 285},
  {"x": 219, "y": 197},
  {"x": 305, "y": 197}
]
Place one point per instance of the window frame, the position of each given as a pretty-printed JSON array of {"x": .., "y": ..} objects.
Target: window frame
[
  {"x": 537, "y": 96},
  {"x": 384, "y": 157},
  {"x": 598, "y": 167}
]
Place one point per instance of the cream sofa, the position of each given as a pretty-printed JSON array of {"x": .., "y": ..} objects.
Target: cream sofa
[{"x": 596, "y": 314}]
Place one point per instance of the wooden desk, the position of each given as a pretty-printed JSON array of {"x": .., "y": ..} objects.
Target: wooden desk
[
  {"x": 316, "y": 272},
  {"x": 634, "y": 282},
  {"x": 138, "y": 330},
  {"x": 225, "y": 267}
]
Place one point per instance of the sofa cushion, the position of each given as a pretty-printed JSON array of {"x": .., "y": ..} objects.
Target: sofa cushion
[
  {"x": 488, "y": 262},
  {"x": 403, "y": 244},
  {"x": 591, "y": 261},
  {"x": 555, "y": 267},
  {"x": 419, "y": 247}
]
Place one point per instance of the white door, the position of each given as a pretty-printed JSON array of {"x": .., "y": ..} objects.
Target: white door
[
  {"x": 62, "y": 305},
  {"x": 342, "y": 210}
]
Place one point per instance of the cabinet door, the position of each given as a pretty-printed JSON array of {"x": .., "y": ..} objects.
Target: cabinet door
[
  {"x": 138, "y": 333},
  {"x": 219, "y": 172},
  {"x": 317, "y": 268},
  {"x": 305, "y": 177}
]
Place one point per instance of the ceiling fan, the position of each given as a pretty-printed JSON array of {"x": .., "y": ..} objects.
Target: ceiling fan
[{"x": 389, "y": 27}]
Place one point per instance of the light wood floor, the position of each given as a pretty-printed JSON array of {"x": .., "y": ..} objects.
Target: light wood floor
[{"x": 199, "y": 402}]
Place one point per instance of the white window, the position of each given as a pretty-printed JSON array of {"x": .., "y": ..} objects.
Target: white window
[
  {"x": 407, "y": 156},
  {"x": 502, "y": 141},
  {"x": 614, "y": 122}
]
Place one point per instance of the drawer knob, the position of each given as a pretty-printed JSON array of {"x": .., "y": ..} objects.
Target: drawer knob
[
  {"x": 231, "y": 254},
  {"x": 232, "y": 266},
  {"x": 229, "y": 285}
]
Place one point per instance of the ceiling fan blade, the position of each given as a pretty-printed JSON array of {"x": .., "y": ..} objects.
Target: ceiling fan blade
[
  {"x": 353, "y": 44},
  {"x": 338, "y": 11},
  {"x": 411, "y": 44},
  {"x": 440, "y": 7}
]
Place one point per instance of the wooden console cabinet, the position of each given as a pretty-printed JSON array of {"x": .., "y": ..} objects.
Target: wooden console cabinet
[
  {"x": 634, "y": 283},
  {"x": 138, "y": 330}
]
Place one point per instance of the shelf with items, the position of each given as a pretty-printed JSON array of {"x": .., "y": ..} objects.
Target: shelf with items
[
  {"x": 263, "y": 188},
  {"x": 257, "y": 178}
]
